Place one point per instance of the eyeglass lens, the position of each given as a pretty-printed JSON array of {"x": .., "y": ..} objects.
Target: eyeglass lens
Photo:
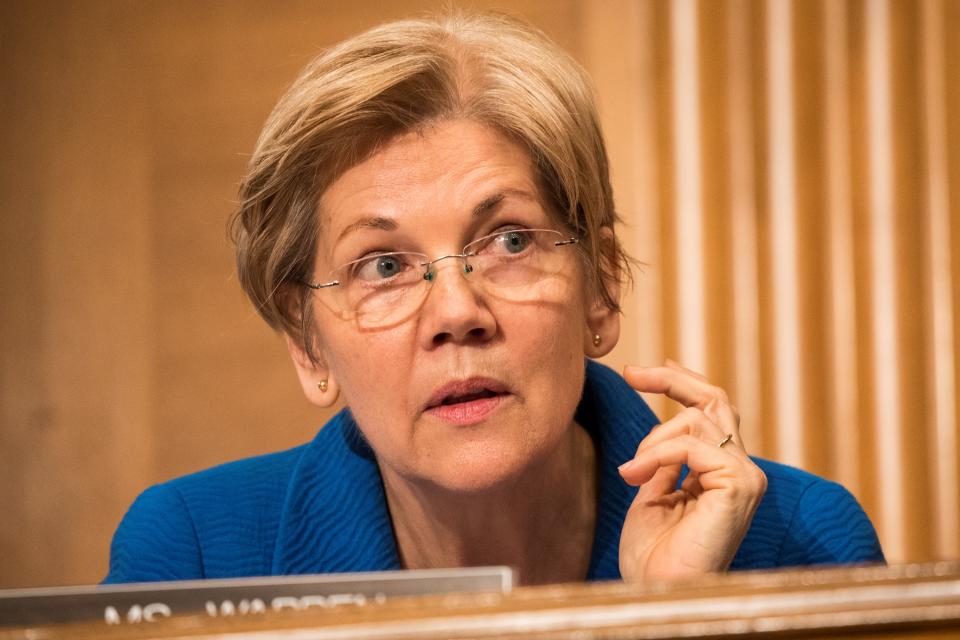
[{"x": 514, "y": 265}]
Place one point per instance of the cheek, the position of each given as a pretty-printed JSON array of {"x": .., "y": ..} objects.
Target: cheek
[
  {"x": 553, "y": 351},
  {"x": 372, "y": 369}
]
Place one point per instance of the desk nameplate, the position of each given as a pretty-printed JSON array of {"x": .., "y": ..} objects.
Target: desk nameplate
[{"x": 149, "y": 602}]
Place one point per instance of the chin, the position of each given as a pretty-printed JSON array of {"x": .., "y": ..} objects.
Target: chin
[{"x": 483, "y": 468}]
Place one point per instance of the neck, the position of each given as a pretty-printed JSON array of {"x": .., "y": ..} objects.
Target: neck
[{"x": 541, "y": 523}]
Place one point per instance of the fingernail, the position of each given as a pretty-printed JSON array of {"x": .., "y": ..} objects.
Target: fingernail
[
  {"x": 635, "y": 367},
  {"x": 625, "y": 466}
]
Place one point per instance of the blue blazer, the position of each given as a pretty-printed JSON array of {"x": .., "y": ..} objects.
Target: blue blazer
[{"x": 321, "y": 508}]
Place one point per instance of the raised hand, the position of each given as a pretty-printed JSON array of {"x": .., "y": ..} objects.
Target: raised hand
[{"x": 674, "y": 533}]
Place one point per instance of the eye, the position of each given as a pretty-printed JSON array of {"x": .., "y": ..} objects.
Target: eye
[
  {"x": 381, "y": 267},
  {"x": 510, "y": 242}
]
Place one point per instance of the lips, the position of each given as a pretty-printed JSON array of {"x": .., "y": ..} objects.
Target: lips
[{"x": 467, "y": 401}]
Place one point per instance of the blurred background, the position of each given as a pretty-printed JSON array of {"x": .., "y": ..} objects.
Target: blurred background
[{"x": 788, "y": 171}]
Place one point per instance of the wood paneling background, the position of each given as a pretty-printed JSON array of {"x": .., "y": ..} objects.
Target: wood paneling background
[{"x": 789, "y": 171}]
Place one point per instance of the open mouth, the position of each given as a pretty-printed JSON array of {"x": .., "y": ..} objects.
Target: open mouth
[
  {"x": 469, "y": 390},
  {"x": 469, "y": 397},
  {"x": 467, "y": 401}
]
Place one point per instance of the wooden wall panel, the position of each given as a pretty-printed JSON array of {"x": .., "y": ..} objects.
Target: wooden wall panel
[
  {"x": 129, "y": 354},
  {"x": 941, "y": 366},
  {"x": 79, "y": 360},
  {"x": 836, "y": 175},
  {"x": 21, "y": 380},
  {"x": 789, "y": 171}
]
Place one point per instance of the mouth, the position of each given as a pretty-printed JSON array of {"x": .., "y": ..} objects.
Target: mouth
[{"x": 465, "y": 402}]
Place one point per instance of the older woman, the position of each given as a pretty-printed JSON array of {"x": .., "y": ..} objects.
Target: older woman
[{"x": 428, "y": 218}]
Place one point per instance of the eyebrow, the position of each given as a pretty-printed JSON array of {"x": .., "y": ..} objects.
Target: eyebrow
[
  {"x": 485, "y": 206},
  {"x": 491, "y": 202},
  {"x": 375, "y": 222}
]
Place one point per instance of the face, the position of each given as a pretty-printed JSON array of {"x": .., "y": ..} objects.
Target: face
[{"x": 472, "y": 389}]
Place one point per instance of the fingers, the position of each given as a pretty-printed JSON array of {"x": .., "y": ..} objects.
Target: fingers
[
  {"x": 701, "y": 522},
  {"x": 691, "y": 437},
  {"x": 683, "y": 385},
  {"x": 685, "y": 449},
  {"x": 689, "y": 421},
  {"x": 689, "y": 389},
  {"x": 664, "y": 482}
]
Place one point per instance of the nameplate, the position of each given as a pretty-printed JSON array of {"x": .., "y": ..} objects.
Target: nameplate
[{"x": 149, "y": 602}]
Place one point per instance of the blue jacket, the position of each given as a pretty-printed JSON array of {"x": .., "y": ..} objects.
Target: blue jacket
[{"x": 321, "y": 508}]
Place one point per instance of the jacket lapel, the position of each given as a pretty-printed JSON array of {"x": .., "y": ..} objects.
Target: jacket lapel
[{"x": 335, "y": 517}]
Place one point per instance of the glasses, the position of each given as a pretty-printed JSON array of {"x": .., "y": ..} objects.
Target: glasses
[{"x": 386, "y": 288}]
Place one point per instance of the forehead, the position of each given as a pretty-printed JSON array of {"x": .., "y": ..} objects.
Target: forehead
[{"x": 447, "y": 167}]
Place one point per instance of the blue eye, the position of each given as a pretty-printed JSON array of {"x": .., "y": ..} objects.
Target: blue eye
[
  {"x": 387, "y": 266},
  {"x": 381, "y": 267},
  {"x": 505, "y": 244},
  {"x": 512, "y": 242}
]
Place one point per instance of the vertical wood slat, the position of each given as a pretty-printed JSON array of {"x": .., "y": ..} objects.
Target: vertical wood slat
[
  {"x": 687, "y": 186},
  {"x": 743, "y": 224},
  {"x": 883, "y": 276},
  {"x": 781, "y": 209},
  {"x": 843, "y": 397},
  {"x": 940, "y": 344},
  {"x": 645, "y": 174}
]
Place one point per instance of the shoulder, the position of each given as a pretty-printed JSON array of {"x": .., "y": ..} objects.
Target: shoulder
[
  {"x": 214, "y": 523},
  {"x": 248, "y": 483},
  {"x": 806, "y": 520}
]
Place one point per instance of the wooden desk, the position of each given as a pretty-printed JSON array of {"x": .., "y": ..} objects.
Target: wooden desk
[{"x": 908, "y": 601}]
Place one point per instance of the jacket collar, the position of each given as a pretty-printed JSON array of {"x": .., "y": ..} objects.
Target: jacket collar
[{"x": 335, "y": 516}]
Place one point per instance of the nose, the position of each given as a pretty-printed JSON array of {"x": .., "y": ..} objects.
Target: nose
[{"x": 454, "y": 311}]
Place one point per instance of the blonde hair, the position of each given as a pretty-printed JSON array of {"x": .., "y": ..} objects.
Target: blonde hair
[{"x": 396, "y": 78}]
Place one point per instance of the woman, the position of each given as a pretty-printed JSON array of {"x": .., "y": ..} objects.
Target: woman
[{"x": 428, "y": 218}]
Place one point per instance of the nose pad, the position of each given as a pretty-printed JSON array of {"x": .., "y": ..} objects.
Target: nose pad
[
  {"x": 431, "y": 272},
  {"x": 450, "y": 286}
]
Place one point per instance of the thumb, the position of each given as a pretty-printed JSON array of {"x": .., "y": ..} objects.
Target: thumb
[{"x": 664, "y": 482}]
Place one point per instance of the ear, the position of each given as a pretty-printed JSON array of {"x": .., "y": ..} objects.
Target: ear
[
  {"x": 603, "y": 323},
  {"x": 311, "y": 375}
]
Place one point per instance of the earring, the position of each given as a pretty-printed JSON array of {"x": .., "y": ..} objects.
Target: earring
[
  {"x": 597, "y": 339},
  {"x": 322, "y": 385}
]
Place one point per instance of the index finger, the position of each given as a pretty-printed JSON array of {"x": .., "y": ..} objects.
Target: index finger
[{"x": 675, "y": 383}]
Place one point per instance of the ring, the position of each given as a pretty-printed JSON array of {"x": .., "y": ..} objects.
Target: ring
[{"x": 727, "y": 438}]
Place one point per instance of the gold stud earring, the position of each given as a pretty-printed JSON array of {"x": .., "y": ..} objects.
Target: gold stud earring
[
  {"x": 322, "y": 385},
  {"x": 597, "y": 339}
]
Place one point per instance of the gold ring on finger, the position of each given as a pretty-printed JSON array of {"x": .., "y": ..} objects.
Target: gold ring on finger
[{"x": 727, "y": 438}]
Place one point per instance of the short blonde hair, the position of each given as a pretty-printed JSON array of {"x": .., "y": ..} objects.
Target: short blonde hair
[{"x": 396, "y": 78}]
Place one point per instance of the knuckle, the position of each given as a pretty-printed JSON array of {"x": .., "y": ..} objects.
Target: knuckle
[
  {"x": 694, "y": 416},
  {"x": 736, "y": 413},
  {"x": 645, "y": 445},
  {"x": 719, "y": 395},
  {"x": 689, "y": 440}
]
